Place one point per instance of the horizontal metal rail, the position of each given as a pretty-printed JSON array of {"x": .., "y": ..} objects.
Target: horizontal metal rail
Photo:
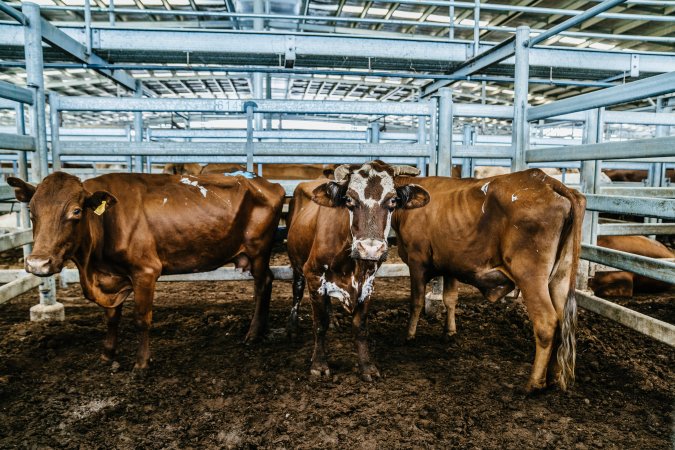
[
  {"x": 18, "y": 286},
  {"x": 479, "y": 110},
  {"x": 649, "y": 326},
  {"x": 649, "y": 267},
  {"x": 19, "y": 142},
  {"x": 638, "y": 148},
  {"x": 15, "y": 93},
  {"x": 268, "y": 134},
  {"x": 239, "y": 106},
  {"x": 634, "y": 206},
  {"x": 232, "y": 274},
  {"x": 638, "y": 118},
  {"x": 628, "y": 229},
  {"x": 16, "y": 239},
  {"x": 300, "y": 149},
  {"x": 482, "y": 151},
  {"x": 648, "y": 87},
  {"x": 665, "y": 192}
]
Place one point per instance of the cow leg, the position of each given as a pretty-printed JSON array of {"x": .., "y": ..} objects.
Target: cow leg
[
  {"x": 360, "y": 331},
  {"x": 113, "y": 317},
  {"x": 263, "y": 277},
  {"x": 321, "y": 320},
  {"x": 292, "y": 328},
  {"x": 144, "y": 292},
  {"x": 418, "y": 287},
  {"x": 450, "y": 296},
  {"x": 545, "y": 323}
]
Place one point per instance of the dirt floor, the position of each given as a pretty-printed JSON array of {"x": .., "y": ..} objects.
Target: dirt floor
[{"x": 208, "y": 390}]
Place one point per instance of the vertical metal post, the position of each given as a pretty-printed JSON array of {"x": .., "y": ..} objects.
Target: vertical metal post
[
  {"x": 111, "y": 13},
  {"x": 476, "y": 27},
  {"x": 55, "y": 125},
  {"x": 130, "y": 159},
  {"x": 658, "y": 174},
  {"x": 24, "y": 216},
  {"x": 589, "y": 179},
  {"x": 87, "y": 25},
  {"x": 467, "y": 163},
  {"x": 444, "y": 168},
  {"x": 138, "y": 128},
  {"x": 249, "y": 137},
  {"x": 433, "y": 136},
  {"x": 422, "y": 139},
  {"x": 520, "y": 126},
  {"x": 35, "y": 81},
  {"x": 268, "y": 95},
  {"x": 451, "y": 13}
]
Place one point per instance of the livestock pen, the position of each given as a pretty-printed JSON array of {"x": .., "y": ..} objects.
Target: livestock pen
[{"x": 116, "y": 86}]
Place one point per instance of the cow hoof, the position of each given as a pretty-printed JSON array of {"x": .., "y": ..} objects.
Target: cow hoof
[
  {"x": 410, "y": 339},
  {"x": 534, "y": 389},
  {"x": 450, "y": 338},
  {"x": 107, "y": 358},
  {"x": 370, "y": 372},
  {"x": 319, "y": 370},
  {"x": 252, "y": 338}
]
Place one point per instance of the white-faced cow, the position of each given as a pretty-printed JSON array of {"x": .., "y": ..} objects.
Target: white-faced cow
[
  {"x": 337, "y": 239},
  {"x": 522, "y": 229},
  {"x": 125, "y": 230}
]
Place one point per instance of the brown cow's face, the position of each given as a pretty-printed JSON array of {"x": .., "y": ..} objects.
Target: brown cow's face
[
  {"x": 59, "y": 208},
  {"x": 369, "y": 193}
]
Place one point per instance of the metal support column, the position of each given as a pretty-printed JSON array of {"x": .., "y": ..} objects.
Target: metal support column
[
  {"x": 48, "y": 309},
  {"x": 445, "y": 120},
  {"x": 520, "y": 127},
  {"x": 422, "y": 140},
  {"x": 55, "y": 125},
  {"x": 467, "y": 163},
  {"x": 35, "y": 81},
  {"x": 138, "y": 128},
  {"x": 24, "y": 215},
  {"x": 590, "y": 180},
  {"x": 249, "y": 137}
]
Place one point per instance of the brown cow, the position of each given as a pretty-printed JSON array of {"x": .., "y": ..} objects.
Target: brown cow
[
  {"x": 277, "y": 171},
  {"x": 183, "y": 169},
  {"x": 156, "y": 225},
  {"x": 521, "y": 229},
  {"x": 337, "y": 239},
  {"x": 624, "y": 284},
  {"x": 634, "y": 175}
]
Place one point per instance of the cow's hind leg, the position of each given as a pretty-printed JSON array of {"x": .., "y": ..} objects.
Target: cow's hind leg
[
  {"x": 418, "y": 281},
  {"x": 113, "y": 317},
  {"x": 263, "y": 277},
  {"x": 545, "y": 324},
  {"x": 360, "y": 332},
  {"x": 144, "y": 292},
  {"x": 321, "y": 320},
  {"x": 450, "y": 296},
  {"x": 292, "y": 328}
]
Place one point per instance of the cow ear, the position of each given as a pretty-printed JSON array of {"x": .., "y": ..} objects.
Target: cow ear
[
  {"x": 412, "y": 196},
  {"x": 329, "y": 194},
  {"x": 96, "y": 201},
  {"x": 22, "y": 191}
]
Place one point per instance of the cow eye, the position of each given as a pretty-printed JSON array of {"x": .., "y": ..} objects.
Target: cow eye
[
  {"x": 349, "y": 202},
  {"x": 393, "y": 202},
  {"x": 77, "y": 211}
]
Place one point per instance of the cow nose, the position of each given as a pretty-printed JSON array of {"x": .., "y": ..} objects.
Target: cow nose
[
  {"x": 39, "y": 265},
  {"x": 370, "y": 248}
]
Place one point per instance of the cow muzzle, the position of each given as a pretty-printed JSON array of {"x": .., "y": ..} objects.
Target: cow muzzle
[
  {"x": 369, "y": 249},
  {"x": 40, "y": 265}
]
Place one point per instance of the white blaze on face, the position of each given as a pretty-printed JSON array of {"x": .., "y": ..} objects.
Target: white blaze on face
[{"x": 358, "y": 183}]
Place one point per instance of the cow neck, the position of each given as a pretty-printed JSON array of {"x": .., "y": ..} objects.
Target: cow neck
[{"x": 89, "y": 251}]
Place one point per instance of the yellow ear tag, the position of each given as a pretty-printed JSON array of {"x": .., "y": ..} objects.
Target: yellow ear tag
[{"x": 101, "y": 209}]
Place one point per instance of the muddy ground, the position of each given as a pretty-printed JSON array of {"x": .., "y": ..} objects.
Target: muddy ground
[{"x": 208, "y": 390}]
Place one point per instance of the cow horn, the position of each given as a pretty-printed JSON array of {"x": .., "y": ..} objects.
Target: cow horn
[
  {"x": 341, "y": 173},
  {"x": 406, "y": 170}
]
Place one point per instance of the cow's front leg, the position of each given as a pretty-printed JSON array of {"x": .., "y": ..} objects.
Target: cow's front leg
[
  {"x": 113, "y": 317},
  {"x": 418, "y": 283},
  {"x": 450, "y": 295},
  {"x": 263, "y": 277},
  {"x": 321, "y": 320},
  {"x": 360, "y": 332},
  {"x": 144, "y": 291}
]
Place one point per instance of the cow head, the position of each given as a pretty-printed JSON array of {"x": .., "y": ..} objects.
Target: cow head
[
  {"x": 371, "y": 195},
  {"x": 59, "y": 210}
]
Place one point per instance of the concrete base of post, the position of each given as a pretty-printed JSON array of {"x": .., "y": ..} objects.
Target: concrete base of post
[
  {"x": 48, "y": 313},
  {"x": 433, "y": 301}
]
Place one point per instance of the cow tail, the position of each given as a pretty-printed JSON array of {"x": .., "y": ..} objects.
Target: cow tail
[{"x": 567, "y": 350}]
